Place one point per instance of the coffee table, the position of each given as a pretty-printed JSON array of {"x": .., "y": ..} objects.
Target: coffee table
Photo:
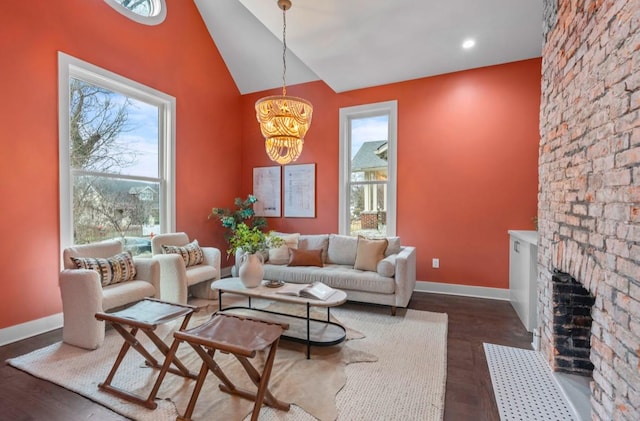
[{"x": 307, "y": 330}]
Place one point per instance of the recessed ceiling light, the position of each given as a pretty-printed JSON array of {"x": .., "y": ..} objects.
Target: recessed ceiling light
[{"x": 468, "y": 43}]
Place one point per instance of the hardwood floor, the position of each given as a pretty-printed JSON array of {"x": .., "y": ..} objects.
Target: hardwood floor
[{"x": 469, "y": 394}]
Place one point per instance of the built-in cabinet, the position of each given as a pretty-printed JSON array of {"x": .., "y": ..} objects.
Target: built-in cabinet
[{"x": 523, "y": 274}]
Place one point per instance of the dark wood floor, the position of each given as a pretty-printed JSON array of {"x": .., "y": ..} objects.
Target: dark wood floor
[{"x": 469, "y": 395}]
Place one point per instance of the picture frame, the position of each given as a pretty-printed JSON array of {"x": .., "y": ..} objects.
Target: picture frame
[
  {"x": 299, "y": 191},
  {"x": 267, "y": 189}
]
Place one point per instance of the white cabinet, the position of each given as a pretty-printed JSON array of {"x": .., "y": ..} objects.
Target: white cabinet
[{"x": 523, "y": 271}]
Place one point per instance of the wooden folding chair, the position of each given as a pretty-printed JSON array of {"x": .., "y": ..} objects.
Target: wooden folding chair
[
  {"x": 146, "y": 315},
  {"x": 241, "y": 337}
]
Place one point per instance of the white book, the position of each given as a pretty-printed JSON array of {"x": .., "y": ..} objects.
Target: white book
[{"x": 316, "y": 290}]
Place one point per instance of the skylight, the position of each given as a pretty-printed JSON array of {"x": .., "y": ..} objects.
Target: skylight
[{"x": 149, "y": 12}]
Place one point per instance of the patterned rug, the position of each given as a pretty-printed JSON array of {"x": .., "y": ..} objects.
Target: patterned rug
[{"x": 400, "y": 373}]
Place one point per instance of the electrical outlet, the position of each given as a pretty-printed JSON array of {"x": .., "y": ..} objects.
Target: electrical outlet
[{"x": 435, "y": 263}]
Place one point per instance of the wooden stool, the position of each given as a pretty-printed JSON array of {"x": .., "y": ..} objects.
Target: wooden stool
[
  {"x": 241, "y": 337},
  {"x": 146, "y": 315}
]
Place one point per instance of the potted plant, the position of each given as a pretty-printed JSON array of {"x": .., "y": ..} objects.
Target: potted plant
[
  {"x": 247, "y": 239},
  {"x": 245, "y": 230},
  {"x": 249, "y": 246}
]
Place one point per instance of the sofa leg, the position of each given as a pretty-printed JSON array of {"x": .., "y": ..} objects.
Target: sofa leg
[{"x": 393, "y": 310}]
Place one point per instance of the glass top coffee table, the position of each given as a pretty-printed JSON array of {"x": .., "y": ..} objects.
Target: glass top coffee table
[{"x": 304, "y": 329}]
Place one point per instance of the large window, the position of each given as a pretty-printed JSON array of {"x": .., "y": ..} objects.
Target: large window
[
  {"x": 368, "y": 169},
  {"x": 116, "y": 158}
]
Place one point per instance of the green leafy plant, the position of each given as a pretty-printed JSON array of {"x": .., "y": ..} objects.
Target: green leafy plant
[
  {"x": 245, "y": 230},
  {"x": 243, "y": 213},
  {"x": 252, "y": 240},
  {"x": 248, "y": 239}
]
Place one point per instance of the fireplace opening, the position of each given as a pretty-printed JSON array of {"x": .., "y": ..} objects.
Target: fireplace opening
[{"x": 572, "y": 305}]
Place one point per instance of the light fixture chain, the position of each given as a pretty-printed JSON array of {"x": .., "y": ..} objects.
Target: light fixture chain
[{"x": 284, "y": 51}]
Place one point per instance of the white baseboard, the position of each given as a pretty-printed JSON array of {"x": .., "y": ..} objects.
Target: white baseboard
[
  {"x": 26, "y": 330},
  {"x": 464, "y": 290}
]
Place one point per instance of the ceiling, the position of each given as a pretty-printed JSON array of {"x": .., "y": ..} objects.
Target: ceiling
[{"x": 352, "y": 44}]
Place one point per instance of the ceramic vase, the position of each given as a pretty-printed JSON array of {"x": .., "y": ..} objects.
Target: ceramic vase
[{"x": 251, "y": 269}]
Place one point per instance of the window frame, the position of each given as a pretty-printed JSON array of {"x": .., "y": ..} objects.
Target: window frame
[
  {"x": 68, "y": 67},
  {"x": 389, "y": 108}
]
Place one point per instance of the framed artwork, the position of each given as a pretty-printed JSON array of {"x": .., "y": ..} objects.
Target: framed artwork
[
  {"x": 266, "y": 188},
  {"x": 300, "y": 191}
]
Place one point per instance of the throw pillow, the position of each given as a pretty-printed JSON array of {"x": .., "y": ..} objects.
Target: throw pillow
[
  {"x": 280, "y": 255},
  {"x": 305, "y": 257},
  {"x": 314, "y": 242},
  {"x": 112, "y": 270},
  {"x": 369, "y": 253},
  {"x": 342, "y": 249},
  {"x": 191, "y": 253},
  {"x": 393, "y": 247}
]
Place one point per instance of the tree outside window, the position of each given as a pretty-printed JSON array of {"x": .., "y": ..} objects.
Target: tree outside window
[{"x": 113, "y": 147}]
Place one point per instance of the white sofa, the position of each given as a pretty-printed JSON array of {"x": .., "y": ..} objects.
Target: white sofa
[
  {"x": 391, "y": 283},
  {"x": 83, "y": 294}
]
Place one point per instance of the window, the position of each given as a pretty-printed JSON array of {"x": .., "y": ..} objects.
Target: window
[
  {"x": 148, "y": 12},
  {"x": 116, "y": 158},
  {"x": 368, "y": 169}
]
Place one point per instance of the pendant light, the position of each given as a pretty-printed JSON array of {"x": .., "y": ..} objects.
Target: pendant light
[{"x": 284, "y": 120}]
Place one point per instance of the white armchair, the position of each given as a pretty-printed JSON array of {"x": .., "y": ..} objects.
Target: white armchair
[
  {"x": 83, "y": 294},
  {"x": 177, "y": 279}
]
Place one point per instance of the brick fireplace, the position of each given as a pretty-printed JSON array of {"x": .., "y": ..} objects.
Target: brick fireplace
[{"x": 589, "y": 194}]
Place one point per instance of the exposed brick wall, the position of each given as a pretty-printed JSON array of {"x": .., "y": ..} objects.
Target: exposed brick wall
[{"x": 589, "y": 198}]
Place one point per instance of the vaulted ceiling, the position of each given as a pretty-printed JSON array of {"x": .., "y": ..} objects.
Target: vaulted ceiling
[{"x": 351, "y": 44}]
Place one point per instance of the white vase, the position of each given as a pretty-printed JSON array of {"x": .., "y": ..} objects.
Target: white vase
[{"x": 251, "y": 270}]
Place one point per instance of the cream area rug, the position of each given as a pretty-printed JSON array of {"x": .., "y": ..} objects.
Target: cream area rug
[{"x": 389, "y": 368}]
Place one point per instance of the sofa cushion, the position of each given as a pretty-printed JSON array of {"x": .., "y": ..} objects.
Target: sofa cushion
[
  {"x": 112, "y": 270},
  {"x": 305, "y": 257},
  {"x": 369, "y": 252},
  {"x": 315, "y": 242},
  {"x": 200, "y": 273},
  {"x": 342, "y": 249},
  {"x": 280, "y": 255},
  {"x": 117, "y": 295},
  {"x": 191, "y": 253},
  {"x": 387, "y": 266}
]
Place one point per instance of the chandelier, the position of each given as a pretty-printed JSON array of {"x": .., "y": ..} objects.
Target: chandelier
[{"x": 284, "y": 120}]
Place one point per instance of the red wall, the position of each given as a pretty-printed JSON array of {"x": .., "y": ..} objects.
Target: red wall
[
  {"x": 177, "y": 57},
  {"x": 467, "y": 164}
]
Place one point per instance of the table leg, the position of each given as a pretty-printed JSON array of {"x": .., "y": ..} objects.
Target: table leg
[
  {"x": 308, "y": 331},
  {"x": 219, "y": 300}
]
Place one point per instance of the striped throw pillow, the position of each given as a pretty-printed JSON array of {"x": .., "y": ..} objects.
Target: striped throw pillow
[
  {"x": 112, "y": 270},
  {"x": 191, "y": 253}
]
